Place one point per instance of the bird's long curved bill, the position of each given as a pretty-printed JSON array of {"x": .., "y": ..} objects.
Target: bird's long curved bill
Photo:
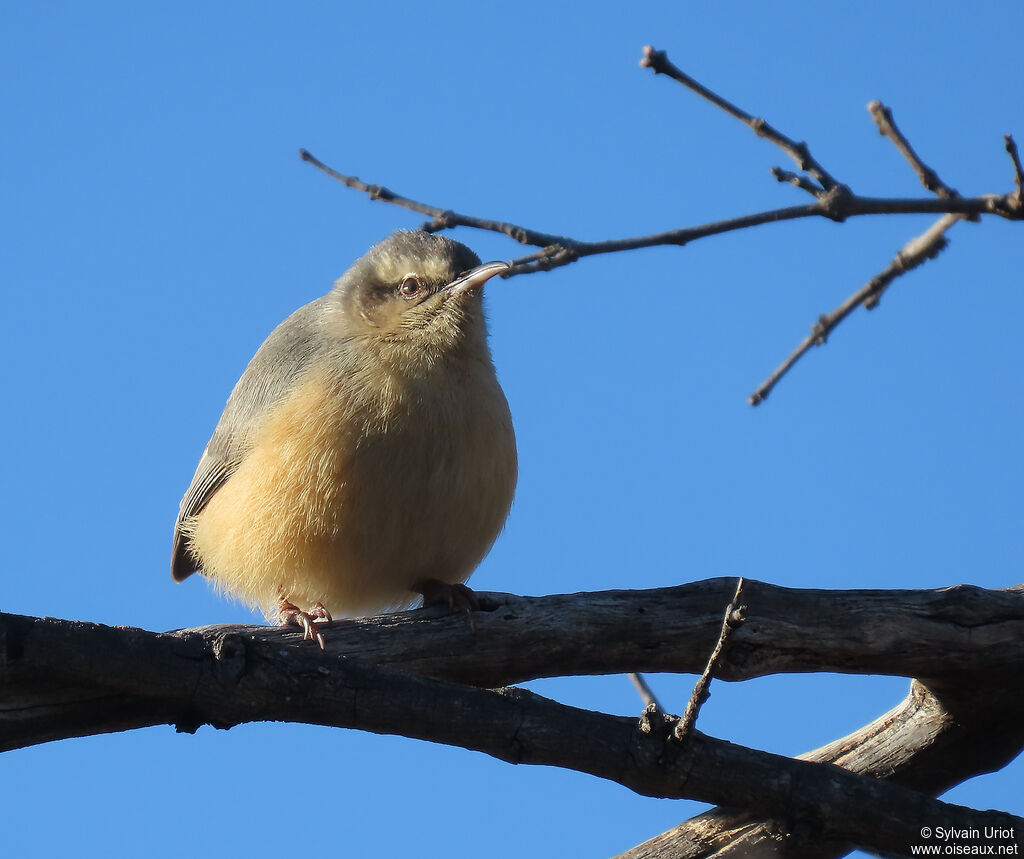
[{"x": 477, "y": 277}]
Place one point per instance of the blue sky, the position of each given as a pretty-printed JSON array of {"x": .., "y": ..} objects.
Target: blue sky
[{"x": 159, "y": 223}]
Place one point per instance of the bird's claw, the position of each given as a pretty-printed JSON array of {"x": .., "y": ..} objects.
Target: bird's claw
[
  {"x": 290, "y": 614},
  {"x": 457, "y": 597}
]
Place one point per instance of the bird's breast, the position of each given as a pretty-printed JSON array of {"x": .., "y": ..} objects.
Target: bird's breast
[{"x": 356, "y": 488}]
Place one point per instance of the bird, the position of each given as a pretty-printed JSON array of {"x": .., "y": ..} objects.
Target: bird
[{"x": 366, "y": 456}]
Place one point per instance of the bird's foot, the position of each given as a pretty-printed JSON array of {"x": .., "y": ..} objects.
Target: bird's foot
[
  {"x": 290, "y": 614},
  {"x": 457, "y": 597}
]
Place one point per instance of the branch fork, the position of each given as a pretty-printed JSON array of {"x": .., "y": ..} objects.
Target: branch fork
[{"x": 832, "y": 200}]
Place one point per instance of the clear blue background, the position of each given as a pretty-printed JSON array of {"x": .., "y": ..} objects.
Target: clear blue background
[{"x": 158, "y": 223}]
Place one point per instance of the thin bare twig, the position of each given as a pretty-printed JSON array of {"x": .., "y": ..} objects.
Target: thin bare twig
[
  {"x": 658, "y": 62},
  {"x": 833, "y": 200},
  {"x": 646, "y": 692},
  {"x": 917, "y": 251},
  {"x": 735, "y": 615},
  {"x": 442, "y": 218},
  {"x": 557, "y": 251},
  {"x": 797, "y": 179},
  {"x": 1018, "y": 170},
  {"x": 887, "y": 127},
  {"x": 929, "y": 178}
]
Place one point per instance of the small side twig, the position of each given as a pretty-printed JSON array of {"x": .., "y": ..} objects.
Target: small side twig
[
  {"x": 556, "y": 251},
  {"x": 797, "y": 179},
  {"x": 918, "y": 250},
  {"x": 1018, "y": 170},
  {"x": 659, "y": 63},
  {"x": 735, "y": 615},
  {"x": 915, "y": 252},
  {"x": 832, "y": 200},
  {"x": 887, "y": 127},
  {"x": 646, "y": 692},
  {"x": 442, "y": 218}
]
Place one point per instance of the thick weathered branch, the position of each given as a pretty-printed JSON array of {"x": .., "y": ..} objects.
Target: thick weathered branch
[
  {"x": 226, "y": 678},
  {"x": 949, "y": 633},
  {"x": 929, "y": 743}
]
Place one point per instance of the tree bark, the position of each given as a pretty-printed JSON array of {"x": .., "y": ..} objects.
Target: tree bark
[{"x": 420, "y": 674}]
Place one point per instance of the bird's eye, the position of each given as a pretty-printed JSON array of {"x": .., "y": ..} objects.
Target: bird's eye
[{"x": 410, "y": 287}]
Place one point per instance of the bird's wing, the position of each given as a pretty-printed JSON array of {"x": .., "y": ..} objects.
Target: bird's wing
[{"x": 272, "y": 372}]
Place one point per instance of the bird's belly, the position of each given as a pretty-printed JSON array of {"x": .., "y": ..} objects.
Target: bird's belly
[{"x": 353, "y": 511}]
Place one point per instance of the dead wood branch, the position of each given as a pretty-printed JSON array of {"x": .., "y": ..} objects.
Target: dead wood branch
[{"x": 63, "y": 679}]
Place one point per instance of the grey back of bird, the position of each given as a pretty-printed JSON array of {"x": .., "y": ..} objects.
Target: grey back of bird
[{"x": 275, "y": 368}]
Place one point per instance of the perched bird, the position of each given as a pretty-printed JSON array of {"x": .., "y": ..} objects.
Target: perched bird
[{"x": 366, "y": 454}]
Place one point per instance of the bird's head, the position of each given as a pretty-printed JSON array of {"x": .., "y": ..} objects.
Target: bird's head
[{"x": 417, "y": 296}]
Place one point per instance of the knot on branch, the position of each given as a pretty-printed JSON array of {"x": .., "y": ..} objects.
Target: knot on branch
[
  {"x": 229, "y": 658},
  {"x": 1013, "y": 204},
  {"x": 1009, "y": 206},
  {"x": 835, "y": 203},
  {"x": 918, "y": 251},
  {"x": 820, "y": 330},
  {"x": 874, "y": 294},
  {"x": 653, "y": 59},
  {"x": 803, "y": 154},
  {"x": 520, "y": 234},
  {"x": 444, "y": 221},
  {"x": 189, "y": 722},
  {"x": 737, "y": 617},
  {"x": 557, "y": 255},
  {"x": 379, "y": 192},
  {"x": 758, "y": 124},
  {"x": 656, "y": 722}
]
